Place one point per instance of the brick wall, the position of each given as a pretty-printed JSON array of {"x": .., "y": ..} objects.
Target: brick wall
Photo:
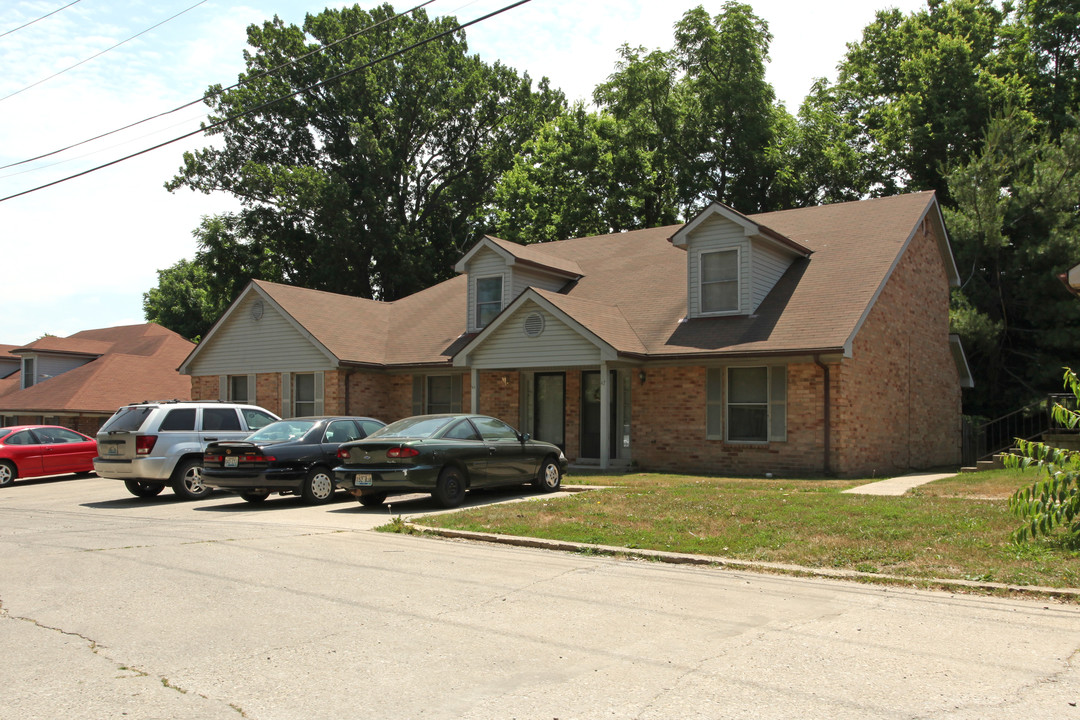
[
  {"x": 669, "y": 427},
  {"x": 383, "y": 397},
  {"x": 498, "y": 395},
  {"x": 206, "y": 387},
  {"x": 898, "y": 398}
]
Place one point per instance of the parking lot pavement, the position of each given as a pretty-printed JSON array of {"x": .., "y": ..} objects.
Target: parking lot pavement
[{"x": 112, "y": 606}]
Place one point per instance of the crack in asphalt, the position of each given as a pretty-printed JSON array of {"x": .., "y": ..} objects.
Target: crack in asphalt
[{"x": 97, "y": 648}]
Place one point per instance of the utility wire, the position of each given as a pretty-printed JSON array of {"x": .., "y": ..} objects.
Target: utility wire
[
  {"x": 235, "y": 85},
  {"x": 40, "y": 18},
  {"x": 72, "y": 67},
  {"x": 268, "y": 103}
]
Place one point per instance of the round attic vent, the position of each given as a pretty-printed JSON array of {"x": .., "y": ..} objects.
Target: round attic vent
[{"x": 533, "y": 325}]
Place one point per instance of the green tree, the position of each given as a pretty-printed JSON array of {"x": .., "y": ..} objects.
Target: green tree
[
  {"x": 1047, "y": 44},
  {"x": 372, "y": 184},
  {"x": 920, "y": 89},
  {"x": 1053, "y": 502},
  {"x": 181, "y": 301},
  {"x": 1016, "y": 226},
  {"x": 581, "y": 176}
]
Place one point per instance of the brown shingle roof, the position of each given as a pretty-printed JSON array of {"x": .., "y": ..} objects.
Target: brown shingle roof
[
  {"x": 138, "y": 362},
  {"x": 632, "y": 292}
]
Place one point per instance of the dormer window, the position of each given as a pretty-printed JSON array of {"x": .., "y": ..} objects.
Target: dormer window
[
  {"x": 720, "y": 281},
  {"x": 489, "y": 293},
  {"x": 29, "y": 376}
]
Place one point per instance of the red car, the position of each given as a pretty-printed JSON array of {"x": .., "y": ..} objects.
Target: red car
[{"x": 35, "y": 450}]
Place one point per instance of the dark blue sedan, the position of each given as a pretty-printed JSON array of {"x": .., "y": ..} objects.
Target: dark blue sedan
[{"x": 291, "y": 457}]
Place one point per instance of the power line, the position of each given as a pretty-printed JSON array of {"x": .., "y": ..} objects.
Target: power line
[
  {"x": 40, "y": 18},
  {"x": 235, "y": 85},
  {"x": 72, "y": 67},
  {"x": 268, "y": 103}
]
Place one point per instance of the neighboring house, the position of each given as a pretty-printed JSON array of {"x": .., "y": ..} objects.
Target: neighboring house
[
  {"x": 810, "y": 341},
  {"x": 79, "y": 381}
]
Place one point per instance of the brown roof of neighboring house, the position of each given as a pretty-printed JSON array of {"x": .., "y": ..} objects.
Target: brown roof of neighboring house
[
  {"x": 133, "y": 363},
  {"x": 632, "y": 292}
]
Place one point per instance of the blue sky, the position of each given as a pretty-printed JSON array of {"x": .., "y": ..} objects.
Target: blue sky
[{"x": 81, "y": 254}]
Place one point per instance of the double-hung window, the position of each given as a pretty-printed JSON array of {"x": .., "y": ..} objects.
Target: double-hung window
[
  {"x": 719, "y": 286},
  {"x": 238, "y": 389},
  {"x": 747, "y": 404},
  {"x": 489, "y": 292},
  {"x": 304, "y": 395},
  {"x": 436, "y": 394}
]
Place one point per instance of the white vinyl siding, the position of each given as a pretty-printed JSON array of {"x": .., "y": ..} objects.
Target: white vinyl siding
[
  {"x": 523, "y": 278},
  {"x": 270, "y": 344},
  {"x": 717, "y": 235},
  {"x": 49, "y": 366},
  {"x": 768, "y": 264},
  {"x": 486, "y": 263},
  {"x": 557, "y": 346}
]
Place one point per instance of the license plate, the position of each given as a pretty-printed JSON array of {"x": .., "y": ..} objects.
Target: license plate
[
  {"x": 232, "y": 461},
  {"x": 362, "y": 479}
]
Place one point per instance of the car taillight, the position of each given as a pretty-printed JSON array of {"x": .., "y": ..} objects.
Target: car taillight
[
  {"x": 213, "y": 458},
  {"x": 144, "y": 444},
  {"x": 343, "y": 454},
  {"x": 402, "y": 452},
  {"x": 259, "y": 458}
]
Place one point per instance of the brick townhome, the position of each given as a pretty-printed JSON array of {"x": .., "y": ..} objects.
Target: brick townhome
[
  {"x": 80, "y": 380},
  {"x": 798, "y": 342}
]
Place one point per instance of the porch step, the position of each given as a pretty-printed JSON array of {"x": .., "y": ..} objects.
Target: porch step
[{"x": 998, "y": 463}]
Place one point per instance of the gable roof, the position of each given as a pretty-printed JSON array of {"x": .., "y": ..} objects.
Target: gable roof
[
  {"x": 630, "y": 291},
  {"x": 515, "y": 253},
  {"x": 128, "y": 364}
]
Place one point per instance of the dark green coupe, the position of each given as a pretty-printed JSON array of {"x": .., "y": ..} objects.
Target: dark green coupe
[{"x": 445, "y": 455}]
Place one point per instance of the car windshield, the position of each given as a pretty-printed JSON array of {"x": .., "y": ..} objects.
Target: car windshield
[
  {"x": 282, "y": 431},
  {"x": 127, "y": 419},
  {"x": 414, "y": 427}
]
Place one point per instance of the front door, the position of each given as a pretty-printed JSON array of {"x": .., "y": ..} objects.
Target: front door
[
  {"x": 549, "y": 409},
  {"x": 590, "y": 414}
]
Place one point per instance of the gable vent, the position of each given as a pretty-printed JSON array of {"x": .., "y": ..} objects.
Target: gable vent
[{"x": 533, "y": 325}]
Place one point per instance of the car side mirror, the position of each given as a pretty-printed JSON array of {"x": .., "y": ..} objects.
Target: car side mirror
[{"x": 524, "y": 437}]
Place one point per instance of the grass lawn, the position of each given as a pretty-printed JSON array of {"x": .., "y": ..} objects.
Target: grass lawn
[{"x": 954, "y": 528}]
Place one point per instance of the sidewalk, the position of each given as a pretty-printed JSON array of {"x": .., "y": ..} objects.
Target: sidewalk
[{"x": 898, "y": 485}]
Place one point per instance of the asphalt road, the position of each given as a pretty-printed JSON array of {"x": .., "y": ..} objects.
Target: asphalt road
[{"x": 118, "y": 607}]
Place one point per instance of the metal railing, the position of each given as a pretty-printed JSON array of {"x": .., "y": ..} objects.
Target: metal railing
[{"x": 983, "y": 440}]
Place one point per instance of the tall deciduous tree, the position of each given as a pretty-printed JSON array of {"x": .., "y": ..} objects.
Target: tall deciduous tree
[{"x": 370, "y": 184}]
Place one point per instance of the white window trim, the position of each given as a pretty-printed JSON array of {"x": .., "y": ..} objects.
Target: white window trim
[
  {"x": 699, "y": 280},
  {"x": 475, "y": 310},
  {"x": 770, "y": 405}
]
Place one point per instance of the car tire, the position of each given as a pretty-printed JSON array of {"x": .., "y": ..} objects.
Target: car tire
[
  {"x": 549, "y": 478},
  {"x": 372, "y": 500},
  {"x": 187, "y": 480},
  {"x": 8, "y": 473},
  {"x": 254, "y": 497},
  {"x": 450, "y": 488},
  {"x": 318, "y": 487},
  {"x": 143, "y": 489}
]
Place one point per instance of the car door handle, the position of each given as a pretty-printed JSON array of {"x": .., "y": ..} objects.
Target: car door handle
[
  {"x": 491, "y": 450},
  {"x": 210, "y": 439}
]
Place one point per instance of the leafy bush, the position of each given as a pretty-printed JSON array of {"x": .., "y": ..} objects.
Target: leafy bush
[{"x": 1053, "y": 501}]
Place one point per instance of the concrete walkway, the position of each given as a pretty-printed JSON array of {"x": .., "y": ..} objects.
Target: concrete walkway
[{"x": 899, "y": 485}]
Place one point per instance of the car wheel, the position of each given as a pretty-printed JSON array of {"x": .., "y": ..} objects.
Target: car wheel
[
  {"x": 372, "y": 500},
  {"x": 450, "y": 488},
  {"x": 318, "y": 486},
  {"x": 139, "y": 488},
  {"x": 254, "y": 497},
  {"x": 549, "y": 478},
  {"x": 187, "y": 481},
  {"x": 7, "y": 473}
]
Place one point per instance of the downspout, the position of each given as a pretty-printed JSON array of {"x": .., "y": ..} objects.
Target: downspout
[{"x": 828, "y": 414}]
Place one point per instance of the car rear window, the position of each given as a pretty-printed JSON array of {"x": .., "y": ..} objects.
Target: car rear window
[
  {"x": 178, "y": 420},
  {"x": 128, "y": 419}
]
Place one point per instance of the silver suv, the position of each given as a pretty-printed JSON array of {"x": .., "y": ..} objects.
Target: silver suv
[{"x": 154, "y": 444}]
